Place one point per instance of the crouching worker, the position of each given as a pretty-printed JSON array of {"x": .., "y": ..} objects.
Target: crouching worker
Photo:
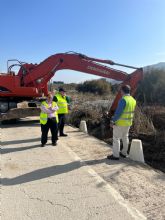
[{"x": 49, "y": 120}]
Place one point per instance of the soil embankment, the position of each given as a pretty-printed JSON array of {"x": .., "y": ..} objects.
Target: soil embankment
[{"x": 149, "y": 127}]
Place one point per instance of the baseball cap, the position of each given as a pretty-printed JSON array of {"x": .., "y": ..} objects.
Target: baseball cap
[
  {"x": 61, "y": 90},
  {"x": 126, "y": 89}
]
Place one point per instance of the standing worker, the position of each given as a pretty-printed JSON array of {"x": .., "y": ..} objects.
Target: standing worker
[
  {"x": 121, "y": 123},
  {"x": 62, "y": 102},
  {"x": 49, "y": 120}
]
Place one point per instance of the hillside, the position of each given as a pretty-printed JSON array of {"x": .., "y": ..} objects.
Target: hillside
[{"x": 158, "y": 66}]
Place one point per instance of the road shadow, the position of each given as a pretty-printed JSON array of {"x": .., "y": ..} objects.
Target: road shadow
[
  {"x": 20, "y": 141},
  {"x": 10, "y": 150},
  {"x": 51, "y": 171},
  {"x": 21, "y": 123},
  {"x": 41, "y": 173},
  {"x": 74, "y": 131}
]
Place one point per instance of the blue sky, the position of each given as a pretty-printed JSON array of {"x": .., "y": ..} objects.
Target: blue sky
[{"x": 131, "y": 32}]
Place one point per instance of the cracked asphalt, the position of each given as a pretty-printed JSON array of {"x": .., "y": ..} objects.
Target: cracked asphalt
[{"x": 50, "y": 183}]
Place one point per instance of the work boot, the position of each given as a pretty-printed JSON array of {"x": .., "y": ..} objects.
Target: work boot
[
  {"x": 63, "y": 135},
  {"x": 42, "y": 145},
  {"x": 122, "y": 155},
  {"x": 111, "y": 157}
]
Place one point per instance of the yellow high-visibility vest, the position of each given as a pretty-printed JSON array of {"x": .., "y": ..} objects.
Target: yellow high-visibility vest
[
  {"x": 62, "y": 104},
  {"x": 44, "y": 116},
  {"x": 126, "y": 117}
]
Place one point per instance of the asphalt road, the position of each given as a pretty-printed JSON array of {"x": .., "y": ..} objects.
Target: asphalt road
[{"x": 52, "y": 182}]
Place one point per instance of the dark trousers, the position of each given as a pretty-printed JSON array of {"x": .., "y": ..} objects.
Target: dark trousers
[
  {"x": 61, "y": 123},
  {"x": 53, "y": 126}
]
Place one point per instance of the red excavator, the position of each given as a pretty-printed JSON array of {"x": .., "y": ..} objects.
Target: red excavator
[{"x": 31, "y": 81}]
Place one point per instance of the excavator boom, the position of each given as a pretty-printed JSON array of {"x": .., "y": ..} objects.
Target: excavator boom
[{"x": 32, "y": 79}]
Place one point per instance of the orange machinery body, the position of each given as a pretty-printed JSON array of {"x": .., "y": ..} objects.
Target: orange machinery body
[{"x": 11, "y": 87}]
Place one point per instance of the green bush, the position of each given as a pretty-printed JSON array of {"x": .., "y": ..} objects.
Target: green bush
[{"x": 100, "y": 87}]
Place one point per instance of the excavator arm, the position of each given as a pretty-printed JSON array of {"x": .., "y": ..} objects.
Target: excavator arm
[
  {"x": 31, "y": 80},
  {"x": 43, "y": 72},
  {"x": 78, "y": 62}
]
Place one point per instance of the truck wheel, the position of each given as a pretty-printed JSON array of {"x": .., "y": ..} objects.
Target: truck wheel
[
  {"x": 32, "y": 104},
  {"x": 12, "y": 105},
  {"x": 4, "y": 107}
]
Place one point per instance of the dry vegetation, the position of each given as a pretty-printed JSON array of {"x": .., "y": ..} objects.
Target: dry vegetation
[{"x": 148, "y": 125}]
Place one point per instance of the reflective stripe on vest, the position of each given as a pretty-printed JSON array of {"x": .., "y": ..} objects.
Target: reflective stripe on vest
[
  {"x": 44, "y": 116},
  {"x": 62, "y": 104},
  {"x": 126, "y": 117}
]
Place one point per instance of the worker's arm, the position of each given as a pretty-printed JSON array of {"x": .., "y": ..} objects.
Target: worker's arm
[
  {"x": 68, "y": 99},
  {"x": 119, "y": 110},
  {"x": 55, "y": 108},
  {"x": 49, "y": 110},
  {"x": 55, "y": 99},
  {"x": 46, "y": 110}
]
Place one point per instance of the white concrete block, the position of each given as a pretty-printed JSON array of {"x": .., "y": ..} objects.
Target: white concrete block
[
  {"x": 136, "y": 151},
  {"x": 83, "y": 127}
]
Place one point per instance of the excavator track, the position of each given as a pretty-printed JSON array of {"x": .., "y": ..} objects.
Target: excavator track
[{"x": 16, "y": 113}]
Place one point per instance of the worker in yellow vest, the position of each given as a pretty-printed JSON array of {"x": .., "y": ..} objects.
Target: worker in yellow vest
[
  {"x": 62, "y": 102},
  {"x": 49, "y": 120},
  {"x": 121, "y": 123}
]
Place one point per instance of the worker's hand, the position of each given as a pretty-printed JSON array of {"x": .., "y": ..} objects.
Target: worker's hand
[{"x": 51, "y": 109}]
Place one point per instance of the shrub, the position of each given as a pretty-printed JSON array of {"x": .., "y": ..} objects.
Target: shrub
[{"x": 100, "y": 87}]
